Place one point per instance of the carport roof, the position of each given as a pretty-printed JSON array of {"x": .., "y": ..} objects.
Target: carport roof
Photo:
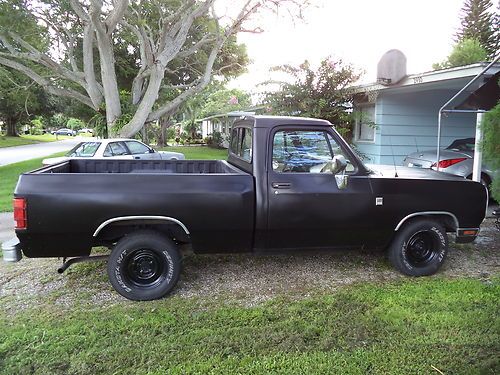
[{"x": 452, "y": 78}]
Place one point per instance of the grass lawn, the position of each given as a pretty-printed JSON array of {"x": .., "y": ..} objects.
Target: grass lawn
[
  {"x": 413, "y": 326},
  {"x": 198, "y": 152},
  {"x": 9, "y": 175},
  {"x": 28, "y": 139}
]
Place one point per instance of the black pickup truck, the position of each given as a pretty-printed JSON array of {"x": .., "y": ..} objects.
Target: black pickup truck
[{"x": 288, "y": 184}]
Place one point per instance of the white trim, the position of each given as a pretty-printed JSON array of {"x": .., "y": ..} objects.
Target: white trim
[
  {"x": 427, "y": 213},
  {"x": 126, "y": 218}
]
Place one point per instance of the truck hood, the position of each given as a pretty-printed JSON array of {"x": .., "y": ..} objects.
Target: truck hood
[{"x": 389, "y": 171}]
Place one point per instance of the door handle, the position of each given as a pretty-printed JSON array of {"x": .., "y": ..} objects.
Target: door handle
[
  {"x": 137, "y": 157},
  {"x": 281, "y": 185}
]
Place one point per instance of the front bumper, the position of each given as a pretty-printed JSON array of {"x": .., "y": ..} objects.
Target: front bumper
[
  {"x": 466, "y": 235},
  {"x": 11, "y": 250}
]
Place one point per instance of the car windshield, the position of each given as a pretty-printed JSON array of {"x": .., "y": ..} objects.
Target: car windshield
[
  {"x": 466, "y": 144},
  {"x": 84, "y": 150}
]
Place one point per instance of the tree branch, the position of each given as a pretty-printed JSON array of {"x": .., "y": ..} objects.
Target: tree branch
[
  {"x": 79, "y": 10},
  {"x": 94, "y": 89},
  {"x": 54, "y": 90},
  {"x": 116, "y": 15}
]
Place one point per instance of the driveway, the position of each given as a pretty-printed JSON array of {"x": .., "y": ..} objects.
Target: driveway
[
  {"x": 6, "y": 226},
  {"x": 9, "y": 155}
]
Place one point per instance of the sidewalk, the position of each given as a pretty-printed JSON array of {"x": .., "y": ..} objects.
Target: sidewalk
[{"x": 6, "y": 226}]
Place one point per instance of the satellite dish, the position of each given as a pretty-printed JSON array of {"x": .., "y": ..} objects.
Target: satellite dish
[{"x": 391, "y": 68}]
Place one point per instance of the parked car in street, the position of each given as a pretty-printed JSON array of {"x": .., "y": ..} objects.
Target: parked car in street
[
  {"x": 64, "y": 131},
  {"x": 457, "y": 159},
  {"x": 115, "y": 148},
  {"x": 288, "y": 184},
  {"x": 86, "y": 130}
]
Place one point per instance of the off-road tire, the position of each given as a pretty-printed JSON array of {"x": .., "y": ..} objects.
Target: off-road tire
[
  {"x": 144, "y": 265},
  {"x": 419, "y": 248}
]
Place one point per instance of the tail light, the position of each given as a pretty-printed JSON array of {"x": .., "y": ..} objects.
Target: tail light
[
  {"x": 447, "y": 163},
  {"x": 20, "y": 216}
]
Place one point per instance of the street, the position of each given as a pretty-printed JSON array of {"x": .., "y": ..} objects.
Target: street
[{"x": 9, "y": 155}]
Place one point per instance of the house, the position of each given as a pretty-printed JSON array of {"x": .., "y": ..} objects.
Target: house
[
  {"x": 398, "y": 115},
  {"x": 222, "y": 122}
]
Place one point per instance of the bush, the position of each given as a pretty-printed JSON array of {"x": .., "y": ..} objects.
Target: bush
[
  {"x": 491, "y": 146},
  {"x": 36, "y": 126},
  {"x": 215, "y": 140}
]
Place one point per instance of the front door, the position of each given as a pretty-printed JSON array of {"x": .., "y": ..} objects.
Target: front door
[{"x": 306, "y": 207}]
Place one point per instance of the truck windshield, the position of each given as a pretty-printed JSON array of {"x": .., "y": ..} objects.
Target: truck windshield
[{"x": 84, "y": 149}]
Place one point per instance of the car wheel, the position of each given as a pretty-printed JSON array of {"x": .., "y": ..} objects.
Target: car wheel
[
  {"x": 419, "y": 248},
  {"x": 144, "y": 265}
]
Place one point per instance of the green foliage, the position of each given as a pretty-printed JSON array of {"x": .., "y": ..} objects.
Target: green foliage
[
  {"x": 322, "y": 93},
  {"x": 214, "y": 140},
  {"x": 467, "y": 51},
  {"x": 406, "y": 327},
  {"x": 480, "y": 23},
  {"x": 98, "y": 121},
  {"x": 75, "y": 124},
  {"x": 491, "y": 146},
  {"x": 35, "y": 22},
  {"x": 58, "y": 120},
  {"x": 20, "y": 98},
  {"x": 36, "y": 126},
  {"x": 199, "y": 152}
]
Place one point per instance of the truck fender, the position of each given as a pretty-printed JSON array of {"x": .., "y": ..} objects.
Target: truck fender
[
  {"x": 427, "y": 213},
  {"x": 134, "y": 218}
]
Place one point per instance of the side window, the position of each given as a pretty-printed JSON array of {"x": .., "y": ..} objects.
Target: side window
[
  {"x": 303, "y": 151},
  {"x": 241, "y": 143},
  {"x": 364, "y": 129},
  {"x": 115, "y": 149},
  {"x": 137, "y": 147}
]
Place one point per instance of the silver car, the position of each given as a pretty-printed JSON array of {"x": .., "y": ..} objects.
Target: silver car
[
  {"x": 115, "y": 148},
  {"x": 457, "y": 159}
]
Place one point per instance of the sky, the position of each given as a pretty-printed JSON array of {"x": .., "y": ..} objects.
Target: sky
[{"x": 358, "y": 31}]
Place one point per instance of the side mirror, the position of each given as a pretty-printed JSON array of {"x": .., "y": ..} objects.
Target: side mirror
[{"x": 336, "y": 165}]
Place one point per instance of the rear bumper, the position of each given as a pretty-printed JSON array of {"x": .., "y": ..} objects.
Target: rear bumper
[{"x": 11, "y": 250}]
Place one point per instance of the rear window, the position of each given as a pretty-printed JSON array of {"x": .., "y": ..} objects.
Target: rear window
[{"x": 241, "y": 143}]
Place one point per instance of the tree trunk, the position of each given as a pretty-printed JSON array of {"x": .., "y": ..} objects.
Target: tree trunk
[
  {"x": 146, "y": 105},
  {"x": 108, "y": 77},
  {"x": 11, "y": 127},
  {"x": 164, "y": 125},
  {"x": 145, "y": 136}
]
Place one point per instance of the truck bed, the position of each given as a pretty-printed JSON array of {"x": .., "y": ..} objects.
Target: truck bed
[
  {"x": 142, "y": 166},
  {"x": 213, "y": 199}
]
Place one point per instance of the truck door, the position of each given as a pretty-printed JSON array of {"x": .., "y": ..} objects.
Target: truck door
[{"x": 306, "y": 207}]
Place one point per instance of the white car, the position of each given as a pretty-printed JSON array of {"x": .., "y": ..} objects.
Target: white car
[{"x": 115, "y": 148}]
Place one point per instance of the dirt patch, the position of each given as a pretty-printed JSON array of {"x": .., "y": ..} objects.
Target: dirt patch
[{"x": 248, "y": 279}]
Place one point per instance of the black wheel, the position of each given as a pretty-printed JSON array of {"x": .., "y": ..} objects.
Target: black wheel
[
  {"x": 144, "y": 265},
  {"x": 419, "y": 248}
]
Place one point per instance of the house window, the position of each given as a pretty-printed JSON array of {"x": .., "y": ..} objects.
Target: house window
[{"x": 365, "y": 124}]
